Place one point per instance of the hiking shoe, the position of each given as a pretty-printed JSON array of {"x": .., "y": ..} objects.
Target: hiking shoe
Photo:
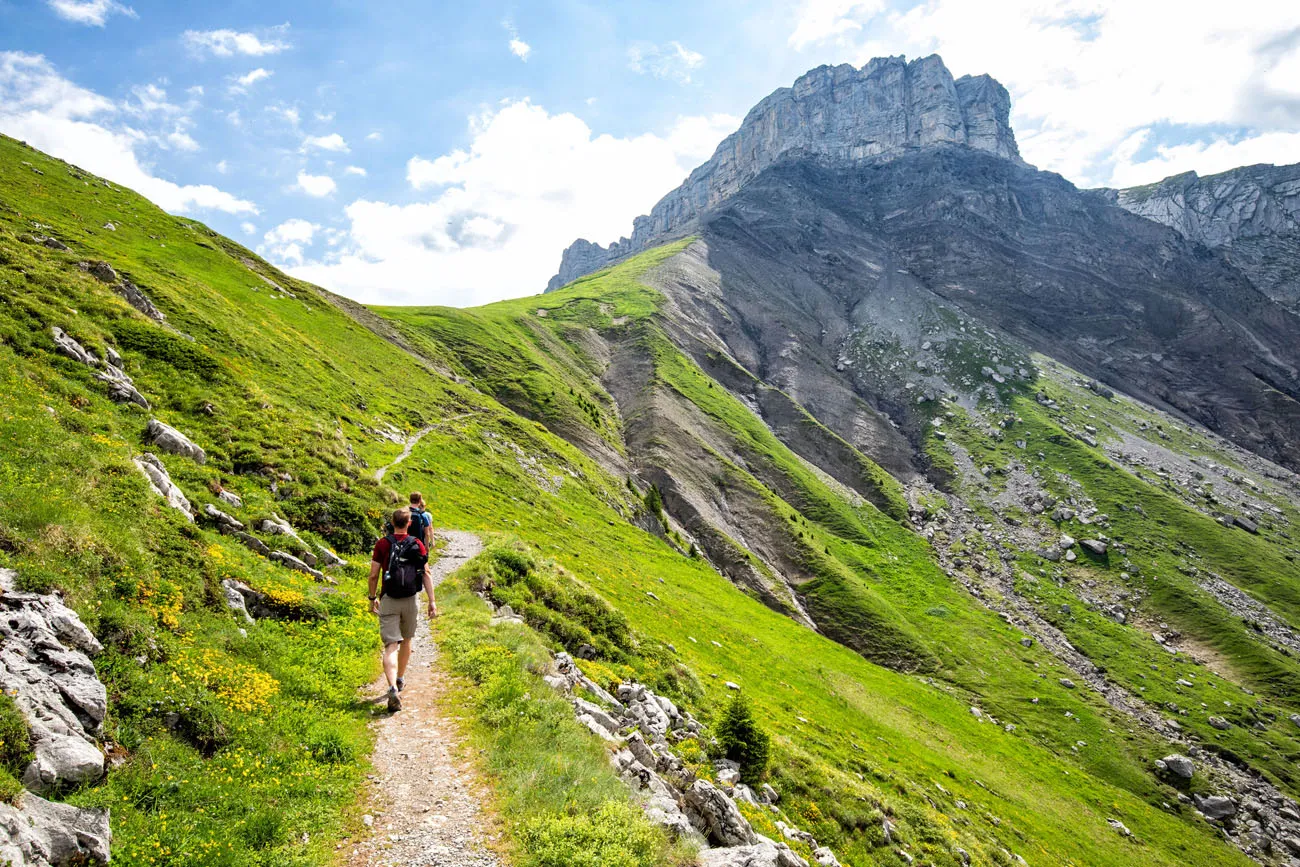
[
  {"x": 401, "y": 684},
  {"x": 394, "y": 700}
]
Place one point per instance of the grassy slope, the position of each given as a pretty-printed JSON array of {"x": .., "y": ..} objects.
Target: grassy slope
[
  {"x": 1254, "y": 686},
  {"x": 835, "y": 715},
  {"x": 265, "y": 755}
]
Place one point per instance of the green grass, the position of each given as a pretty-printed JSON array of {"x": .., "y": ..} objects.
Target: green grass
[
  {"x": 267, "y": 741},
  {"x": 564, "y": 803}
]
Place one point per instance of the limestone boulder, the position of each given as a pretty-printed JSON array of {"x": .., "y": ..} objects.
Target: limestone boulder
[{"x": 168, "y": 439}]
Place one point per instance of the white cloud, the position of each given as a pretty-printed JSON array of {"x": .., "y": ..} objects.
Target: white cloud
[
  {"x": 228, "y": 43},
  {"x": 332, "y": 142},
  {"x": 316, "y": 185},
  {"x": 181, "y": 140},
  {"x": 288, "y": 114},
  {"x": 1085, "y": 75},
  {"x": 375, "y": 136},
  {"x": 672, "y": 60},
  {"x": 51, "y": 113},
  {"x": 222, "y": 168},
  {"x": 241, "y": 83},
  {"x": 247, "y": 228},
  {"x": 295, "y": 229},
  {"x": 286, "y": 241},
  {"x": 324, "y": 116},
  {"x": 355, "y": 170},
  {"x": 196, "y": 91},
  {"x": 150, "y": 99},
  {"x": 821, "y": 20},
  {"x": 89, "y": 12},
  {"x": 1217, "y": 155},
  {"x": 497, "y": 214},
  {"x": 518, "y": 47}
]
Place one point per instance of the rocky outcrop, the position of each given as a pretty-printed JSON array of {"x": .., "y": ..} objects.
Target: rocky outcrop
[
  {"x": 45, "y": 665},
  {"x": 168, "y": 439},
  {"x": 121, "y": 389},
  {"x": 162, "y": 484},
  {"x": 292, "y": 562},
  {"x": 643, "y": 726},
  {"x": 838, "y": 115},
  {"x": 105, "y": 273},
  {"x": 764, "y": 853},
  {"x": 1252, "y": 214},
  {"x": 35, "y": 832}
]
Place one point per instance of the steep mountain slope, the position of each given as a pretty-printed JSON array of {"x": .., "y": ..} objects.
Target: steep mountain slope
[{"x": 1252, "y": 214}]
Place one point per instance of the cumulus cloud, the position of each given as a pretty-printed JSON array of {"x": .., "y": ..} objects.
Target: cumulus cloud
[
  {"x": 671, "y": 60},
  {"x": 241, "y": 83},
  {"x": 495, "y": 215},
  {"x": 332, "y": 142},
  {"x": 1203, "y": 157},
  {"x": 316, "y": 185},
  {"x": 519, "y": 48},
  {"x": 247, "y": 228},
  {"x": 818, "y": 21},
  {"x": 90, "y": 12},
  {"x": 287, "y": 113},
  {"x": 286, "y": 241},
  {"x": 1085, "y": 75},
  {"x": 375, "y": 136},
  {"x": 78, "y": 125},
  {"x": 355, "y": 170},
  {"x": 228, "y": 43}
]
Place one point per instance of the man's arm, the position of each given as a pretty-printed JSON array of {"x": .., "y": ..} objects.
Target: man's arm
[{"x": 374, "y": 587}]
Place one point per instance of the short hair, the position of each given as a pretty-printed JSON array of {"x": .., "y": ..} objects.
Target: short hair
[
  {"x": 401, "y": 518},
  {"x": 416, "y": 498}
]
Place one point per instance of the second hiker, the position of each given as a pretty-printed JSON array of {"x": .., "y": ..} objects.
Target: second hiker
[{"x": 402, "y": 561}]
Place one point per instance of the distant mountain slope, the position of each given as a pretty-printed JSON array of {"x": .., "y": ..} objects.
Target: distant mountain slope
[{"x": 1251, "y": 214}]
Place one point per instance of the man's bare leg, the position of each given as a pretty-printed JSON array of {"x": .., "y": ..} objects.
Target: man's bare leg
[
  {"x": 403, "y": 657},
  {"x": 391, "y": 661}
]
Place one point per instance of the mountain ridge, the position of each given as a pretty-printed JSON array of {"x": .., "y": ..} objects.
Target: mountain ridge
[{"x": 839, "y": 114}]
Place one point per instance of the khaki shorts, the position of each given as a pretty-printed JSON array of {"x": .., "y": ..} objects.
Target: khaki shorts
[{"x": 397, "y": 618}]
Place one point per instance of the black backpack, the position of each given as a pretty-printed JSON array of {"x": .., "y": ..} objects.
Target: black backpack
[
  {"x": 420, "y": 522},
  {"x": 404, "y": 576}
]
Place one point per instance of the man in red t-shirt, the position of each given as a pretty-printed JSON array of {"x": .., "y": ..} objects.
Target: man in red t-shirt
[{"x": 398, "y": 614}]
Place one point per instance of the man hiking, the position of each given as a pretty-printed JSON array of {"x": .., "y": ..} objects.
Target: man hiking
[
  {"x": 421, "y": 523},
  {"x": 402, "y": 560}
]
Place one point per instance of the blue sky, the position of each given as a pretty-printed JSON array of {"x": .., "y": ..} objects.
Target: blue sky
[{"x": 445, "y": 153}]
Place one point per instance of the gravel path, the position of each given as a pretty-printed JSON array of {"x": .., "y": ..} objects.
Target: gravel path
[{"x": 424, "y": 797}]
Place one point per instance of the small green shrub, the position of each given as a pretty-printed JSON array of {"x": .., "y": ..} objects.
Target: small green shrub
[
  {"x": 741, "y": 739},
  {"x": 15, "y": 739},
  {"x": 164, "y": 346},
  {"x": 616, "y": 835}
]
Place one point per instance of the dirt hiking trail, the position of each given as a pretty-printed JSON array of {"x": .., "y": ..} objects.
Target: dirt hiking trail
[{"x": 424, "y": 798}]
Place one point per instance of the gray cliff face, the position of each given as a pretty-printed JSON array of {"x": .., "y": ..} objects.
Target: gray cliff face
[
  {"x": 836, "y": 115},
  {"x": 1251, "y": 214}
]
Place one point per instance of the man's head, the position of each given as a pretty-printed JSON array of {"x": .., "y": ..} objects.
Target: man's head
[
  {"x": 401, "y": 519},
  {"x": 417, "y": 499}
]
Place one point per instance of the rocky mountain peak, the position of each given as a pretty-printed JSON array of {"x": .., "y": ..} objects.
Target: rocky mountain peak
[
  {"x": 835, "y": 115},
  {"x": 1251, "y": 214}
]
